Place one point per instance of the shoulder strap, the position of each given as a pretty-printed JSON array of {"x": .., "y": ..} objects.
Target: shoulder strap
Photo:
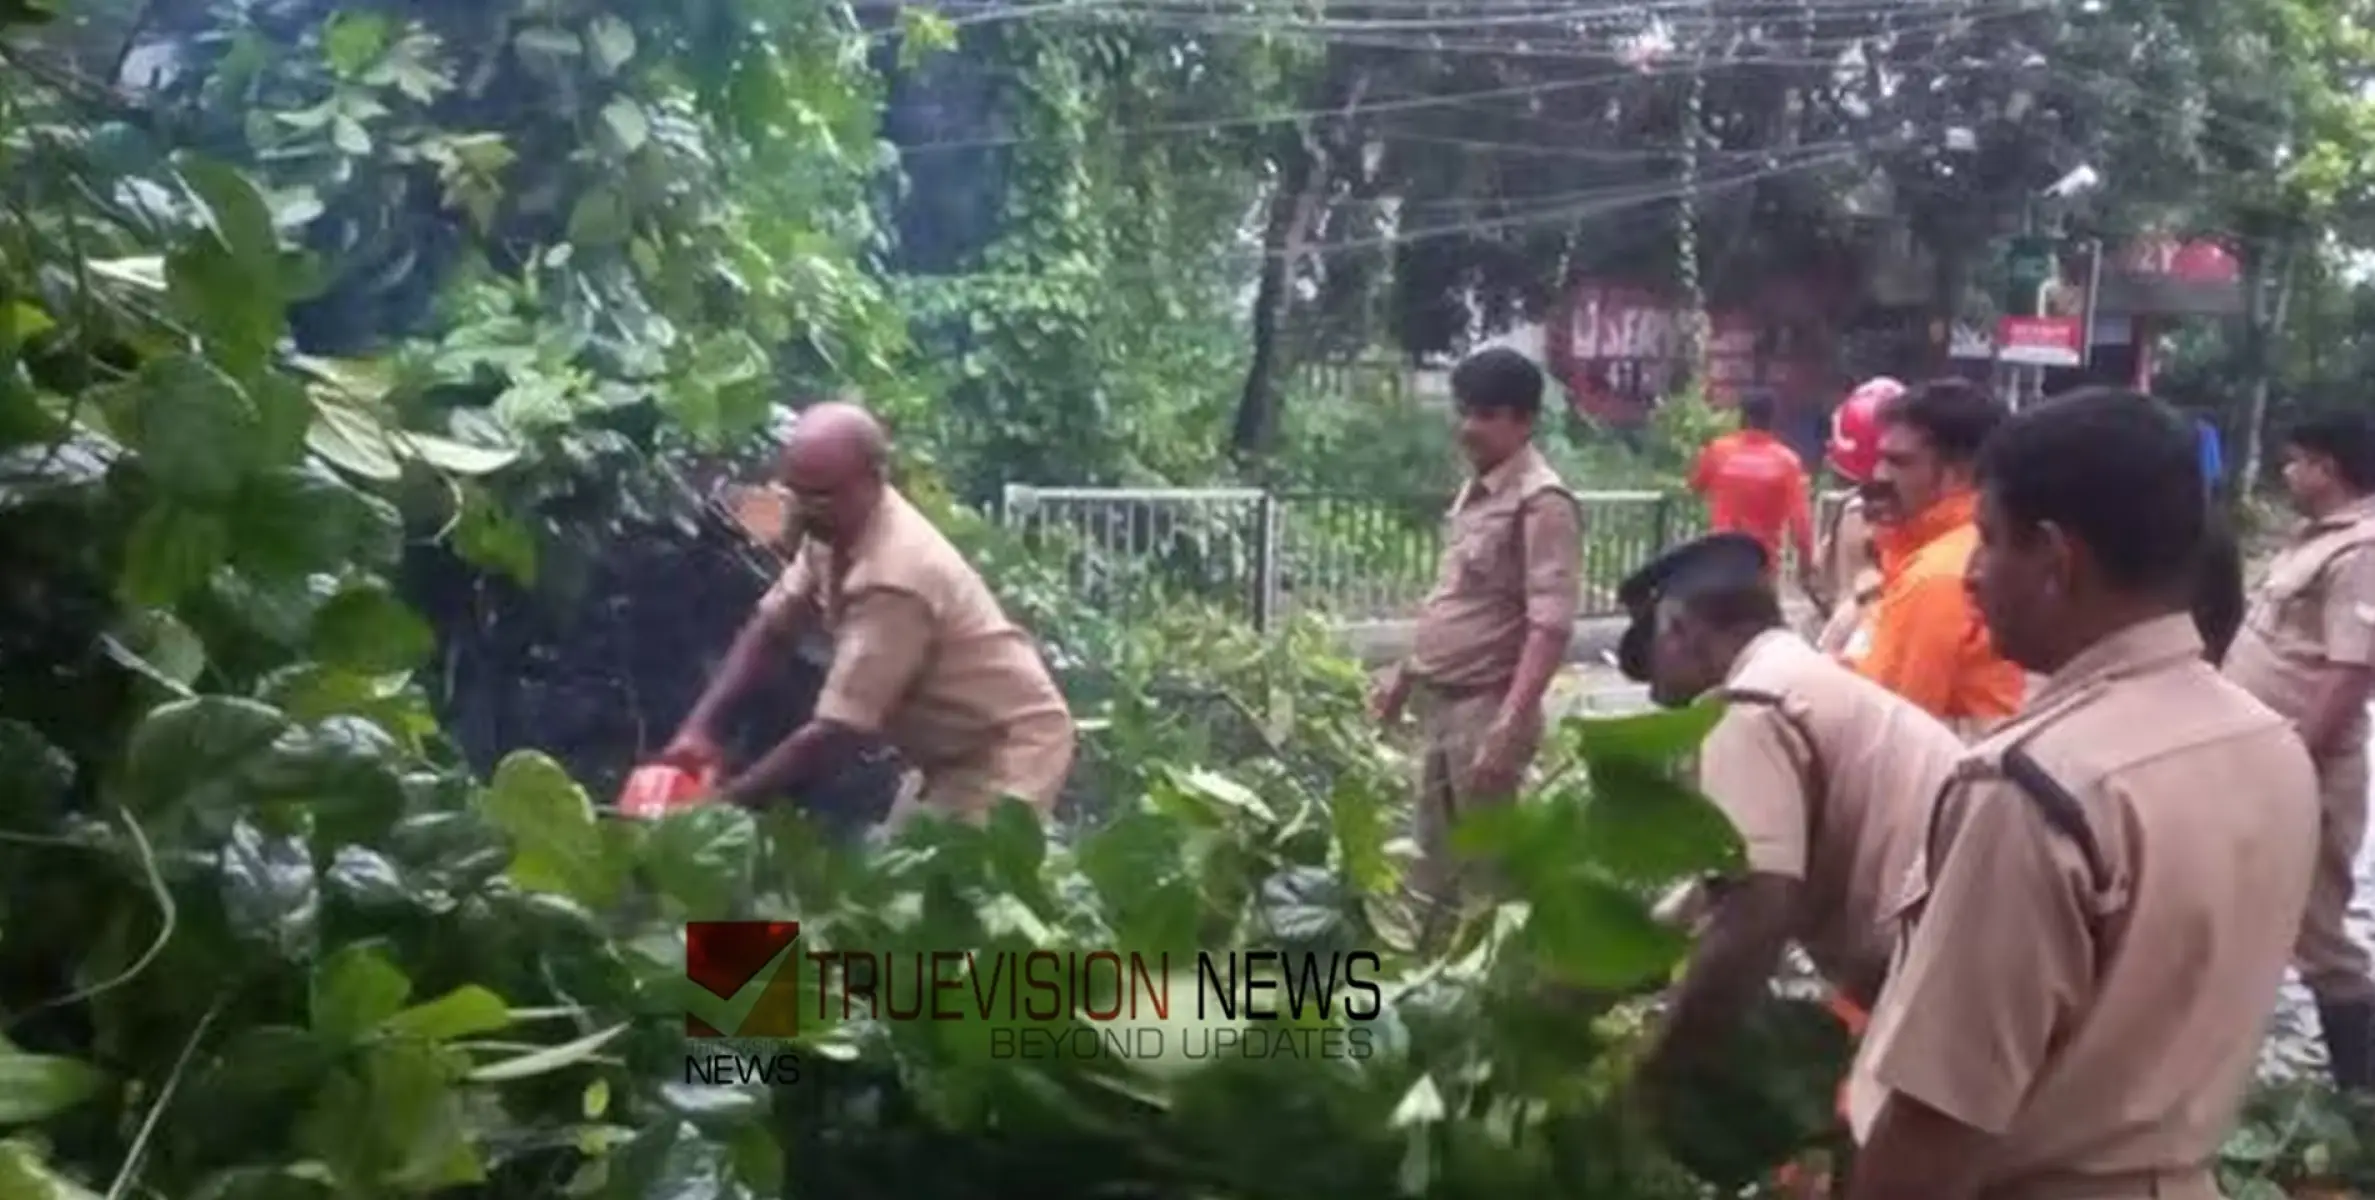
[
  {"x": 1811, "y": 774},
  {"x": 2351, "y": 537},
  {"x": 2060, "y": 808}
]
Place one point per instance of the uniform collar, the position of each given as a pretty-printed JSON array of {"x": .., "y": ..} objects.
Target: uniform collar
[
  {"x": 2146, "y": 644},
  {"x": 2349, "y": 514},
  {"x": 1757, "y": 647},
  {"x": 1951, "y": 512},
  {"x": 1517, "y": 466}
]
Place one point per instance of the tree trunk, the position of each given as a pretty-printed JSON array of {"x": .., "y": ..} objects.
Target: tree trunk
[
  {"x": 2268, "y": 276},
  {"x": 1295, "y": 206}
]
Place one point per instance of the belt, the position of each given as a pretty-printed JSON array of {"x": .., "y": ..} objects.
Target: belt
[
  {"x": 2176, "y": 1182},
  {"x": 1457, "y": 692}
]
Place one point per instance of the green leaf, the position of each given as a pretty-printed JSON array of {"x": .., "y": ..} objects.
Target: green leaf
[
  {"x": 36, "y": 1087},
  {"x": 354, "y": 440},
  {"x": 1663, "y": 736},
  {"x": 197, "y": 754},
  {"x": 235, "y": 209},
  {"x": 611, "y": 41},
  {"x": 599, "y": 218},
  {"x": 156, "y": 643},
  {"x": 1639, "y": 824},
  {"x": 1593, "y": 934},
  {"x": 34, "y": 774},
  {"x": 488, "y": 537},
  {"x": 702, "y": 857},
  {"x": 557, "y": 846},
  {"x": 461, "y": 458},
  {"x": 238, "y": 314},
  {"x": 355, "y": 990},
  {"x": 270, "y": 892},
  {"x": 172, "y": 549},
  {"x": 549, "y": 1059},
  {"x": 400, "y": 1127},
  {"x": 25, "y": 1172},
  {"x": 352, "y": 41},
  {"x": 462, "y": 1012},
  {"x": 195, "y": 428},
  {"x": 629, "y": 129},
  {"x": 302, "y": 520},
  {"x": 366, "y": 628}
]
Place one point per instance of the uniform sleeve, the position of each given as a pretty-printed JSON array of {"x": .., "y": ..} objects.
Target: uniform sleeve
[
  {"x": 1995, "y": 964},
  {"x": 1554, "y": 560},
  {"x": 2348, "y": 617},
  {"x": 792, "y": 592},
  {"x": 1918, "y": 645},
  {"x": 1748, "y": 768},
  {"x": 879, "y": 650}
]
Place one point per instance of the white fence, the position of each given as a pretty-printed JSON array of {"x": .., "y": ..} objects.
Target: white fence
[{"x": 1265, "y": 555}]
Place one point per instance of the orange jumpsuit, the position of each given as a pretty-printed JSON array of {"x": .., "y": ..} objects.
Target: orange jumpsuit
[
  {"x": 1755, "y": 485},
  {"x": 1923, "y": 638}
]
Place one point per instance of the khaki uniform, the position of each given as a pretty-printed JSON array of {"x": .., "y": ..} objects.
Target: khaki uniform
[
  {"x": 1512, "y": 561},
  {"x": 1828, "y": 776},
  {"x": 924, "y": 655},
  {"x": 2317, "y": 606},
  {"x": 2096, "y": 924}
]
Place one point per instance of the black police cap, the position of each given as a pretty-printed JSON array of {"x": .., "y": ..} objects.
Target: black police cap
[{"x": 1719, "y": 562}]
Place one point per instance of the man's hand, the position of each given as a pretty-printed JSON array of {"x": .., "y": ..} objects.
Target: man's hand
[
  {"x": 1500, "y": 761},
  {"x": 1388, "y": 697},
  {"x": 694, "y": 750}
]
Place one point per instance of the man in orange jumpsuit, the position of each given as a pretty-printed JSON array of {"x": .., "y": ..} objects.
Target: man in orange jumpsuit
[
  {"x": 1755, "y": 485},
  {"x": 1923, "y": 638}
]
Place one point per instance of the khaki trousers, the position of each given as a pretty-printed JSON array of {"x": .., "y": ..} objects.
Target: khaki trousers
[
  {"x": 1452, "y": 727},
  {"x": 2334, "y": 966}
]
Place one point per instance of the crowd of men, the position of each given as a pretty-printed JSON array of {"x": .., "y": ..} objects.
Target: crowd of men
[{"x": 2041, "y": 797}]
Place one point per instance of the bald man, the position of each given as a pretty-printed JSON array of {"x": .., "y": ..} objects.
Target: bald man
[{"x": 922, "y": 653}]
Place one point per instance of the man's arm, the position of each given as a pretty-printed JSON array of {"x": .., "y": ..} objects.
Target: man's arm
[
  {"x": 2000, "y": 955},
  {"x": 1730, "y": 965},
  {"x": 2348, "y": 621},
  {"x": 885, "y": 637},
  {"x": 1747, "y": 769},
  {"x": 1554, "y": 567},
  {"x": 774, "y": 624}
]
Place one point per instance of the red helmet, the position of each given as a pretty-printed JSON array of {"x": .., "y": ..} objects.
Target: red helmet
[{"x": 1855, "y": 428}]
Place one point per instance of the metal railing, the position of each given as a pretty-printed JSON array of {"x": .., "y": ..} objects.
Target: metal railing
[{"x": 1264, "y": 555}]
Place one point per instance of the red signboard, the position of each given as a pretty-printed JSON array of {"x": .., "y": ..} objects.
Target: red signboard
[{"x": 2042, "y": 341}]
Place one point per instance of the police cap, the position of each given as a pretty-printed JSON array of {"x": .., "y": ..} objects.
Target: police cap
[{"x": 1719, "y": 562}]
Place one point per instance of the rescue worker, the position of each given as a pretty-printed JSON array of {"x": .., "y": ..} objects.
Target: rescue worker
[
  {"x": 922, "y": 653},
  {"x": 2094, "y": 930},
  {"x": 1848, "y": 574},
  {"x": 1496, "y": 627},
  {"x": 2305, "y": 650},
  {"x": 1922, "y": 639},
  {"x": 1754, "y": 484},
  {"x": 1824, "y": 773}
]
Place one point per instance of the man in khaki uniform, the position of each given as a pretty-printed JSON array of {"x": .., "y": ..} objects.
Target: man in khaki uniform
[
  {"x": 1496, "y": 627},
  {"x": 2098, "y": 916},
  {"x": 2305, "y": 650},
  {"x": 923, "y": 654},
  {"x": 1849, "y": 574},
  {"x": 1827, "y": 776}
]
